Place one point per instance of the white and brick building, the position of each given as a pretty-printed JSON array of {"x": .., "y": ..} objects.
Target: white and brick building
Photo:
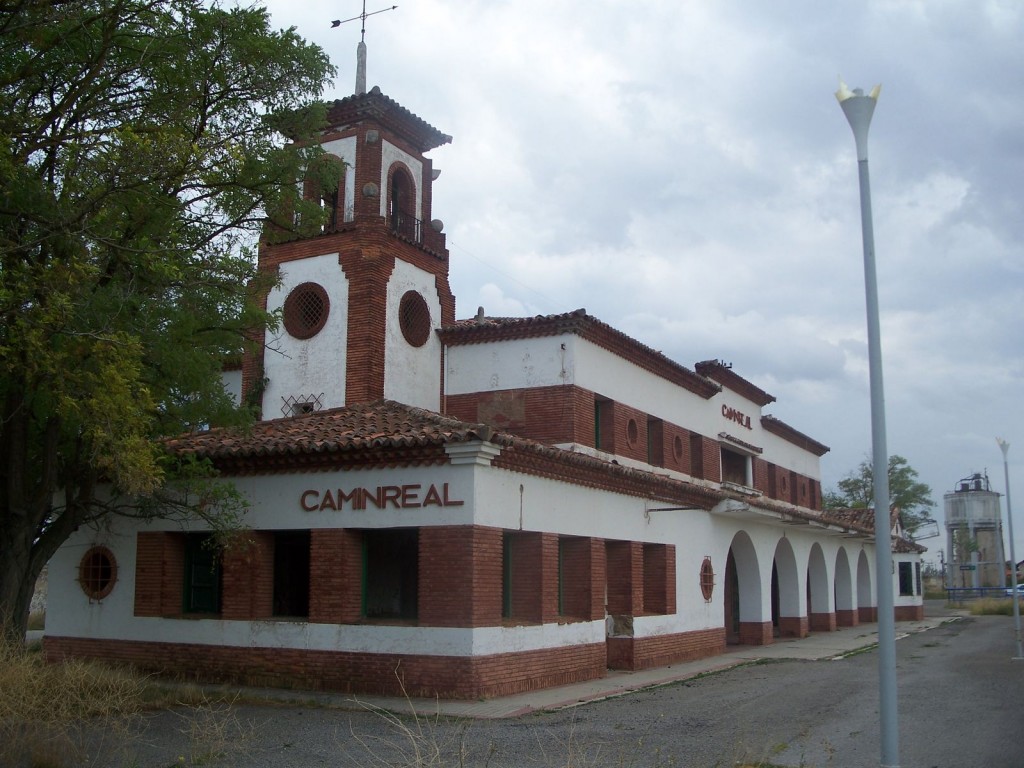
[{"x": 466, "y": 508}]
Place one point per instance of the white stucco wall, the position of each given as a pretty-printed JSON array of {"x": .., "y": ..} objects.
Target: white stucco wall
[
  {"x": 569, "y": 359},
  {"x": 412, "y": 375},
  {"x": 310, "y": 367},
  {"x": 490, "y": 497}
]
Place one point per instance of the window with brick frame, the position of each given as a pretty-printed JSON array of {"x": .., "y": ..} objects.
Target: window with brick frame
[
  {"x": 291, "y": 574},
  {"x": 391, "y": 574},
  {"x": 203, "y": 578},
  {"x": 604, "y": 426},
  {"x": 735, "y": 467},
  {"x": 655, "y": 442},
  {"x": 97, "y": 572}
]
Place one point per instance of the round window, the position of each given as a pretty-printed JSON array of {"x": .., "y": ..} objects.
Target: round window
[
  {"x": 677, "y": 448},
  {"x": 306, "y": 310},
  {"x": 414, "y": 318},
  {"x": 707, "y": 579},
  {"x": 632, "y": 432},
  {"x": 97, "y": 572}
]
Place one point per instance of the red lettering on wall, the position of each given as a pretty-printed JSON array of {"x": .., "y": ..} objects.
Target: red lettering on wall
[{"x": 396, "y": 496}]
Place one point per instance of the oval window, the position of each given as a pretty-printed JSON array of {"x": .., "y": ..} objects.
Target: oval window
[
  {"x": 707, "y": 579},
  {"x": 414, "y": 318},
  {"x": 97, "y": 572}
]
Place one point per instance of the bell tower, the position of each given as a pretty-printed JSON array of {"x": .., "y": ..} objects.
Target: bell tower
[{"x": 362, "y": 298}]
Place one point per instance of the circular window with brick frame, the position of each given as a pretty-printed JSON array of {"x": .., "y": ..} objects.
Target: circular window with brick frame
[
  {"x": 632, "y": 433},
  {"x": 414, "y": 318},
  {"x": 97, "y": 572},
  {"x": 707, "y": 579},
  {"x": 306, "y": 310},
  {"x": 677, "y": 448}
]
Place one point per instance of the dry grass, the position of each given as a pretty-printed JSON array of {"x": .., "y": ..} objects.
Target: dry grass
[
  {"x": 52, "y": 714},
  {"x": 991, "y": 606}
]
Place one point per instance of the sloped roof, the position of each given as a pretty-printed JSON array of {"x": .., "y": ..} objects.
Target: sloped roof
[
  {"x": 388, "y": 112},
  {"x": 724, "y": 375},
  {"x": 863, "y": 518},
  {"x": 479, "y": 330},
  {"x": 390, "y": 434}
]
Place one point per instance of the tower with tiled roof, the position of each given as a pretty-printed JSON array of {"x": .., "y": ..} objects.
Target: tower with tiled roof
[{"x": 361, "y": 298}]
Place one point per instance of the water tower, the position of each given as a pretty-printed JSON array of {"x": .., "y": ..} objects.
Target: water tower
[{"x": 974, "y": 535}]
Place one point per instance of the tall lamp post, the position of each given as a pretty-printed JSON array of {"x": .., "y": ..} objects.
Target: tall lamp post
[
  {"x": 1005, "y": 447},
  {"x": 858, "y": 109}
]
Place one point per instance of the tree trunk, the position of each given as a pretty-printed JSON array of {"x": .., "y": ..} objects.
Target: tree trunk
[{"x": 17, "y": 584}]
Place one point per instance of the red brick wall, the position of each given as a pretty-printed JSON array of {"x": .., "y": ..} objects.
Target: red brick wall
[
  {"x": 794, "y": 626},
  {"x": 822, "y": 622},
  {"x": 847, "y": 618},
  {"x": 335, "y": 576},
  {"x": 529, "y": 582},
  {"x": 625, "y": 565},
  {"x": 908, "y": 612},
  {"x": 247, "y": 568},
  {"x": 460, "y": 576},
  {"x": 756, "y": 633},
  {"x": 159, "y": 573},
  {"x": 659, "y": 578},
  {"x": 366, "y": 673},
  {"x": 583, "y": 578},
  {"x": 635, "y": 653}
]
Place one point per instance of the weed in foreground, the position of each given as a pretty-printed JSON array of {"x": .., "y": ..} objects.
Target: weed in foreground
[
  {"x": 55, "y": 715},
  {"x": 991, "y": 606}
]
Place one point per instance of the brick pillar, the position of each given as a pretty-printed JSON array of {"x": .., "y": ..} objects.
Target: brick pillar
[
  {"x": 794, "y": 626},
  {"x": 867, "y": 614},
  {"x": 583, "y": 577},
  {"x": 549, "y": 577},
  {"x": 526, "y": 555},
  {"x": 823, "y": 622},
  {"x": 756, "y": 633},
  {"x": 659, "y": 578},
  {"x": 247, "y": 568},
  {"x": 460, "y": 576},
  {"x": 625, "y": 565},
  {"x": 159, "y": 573},
  {"x": 335, "y": 576},
  {"x": 847, "y": 618}
]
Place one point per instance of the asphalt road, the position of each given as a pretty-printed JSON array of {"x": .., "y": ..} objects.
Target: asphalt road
[{"x": 961, "y": 705}]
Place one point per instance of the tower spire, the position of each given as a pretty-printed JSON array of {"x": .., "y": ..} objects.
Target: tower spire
[{"x": 361, "y": 48}]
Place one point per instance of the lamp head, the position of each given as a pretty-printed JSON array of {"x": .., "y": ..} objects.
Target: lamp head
[{"x": 858, "y": 109}]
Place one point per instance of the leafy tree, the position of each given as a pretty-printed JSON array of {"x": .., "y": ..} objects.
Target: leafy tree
[
  {"x": 913, "y": 498},
  {"x": 141, "y": 147}
]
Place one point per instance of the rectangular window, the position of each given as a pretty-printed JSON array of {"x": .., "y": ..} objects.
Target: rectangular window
[
  {"x": 604, "y": 431},
  {"x": 734, "y": 467},
  {"x": 391, "y": 573},
  {"x": 506, "y": 576},
  {"x": 291, "y": 573},
  {"x": 696, "y": 455},
  {"x": 906, "y": 579},
  {"x": 202, "y": 593},
  {"x": 656, "y": 442},
  {"x": 656, "y": 578},
  {"x": 917, "y": 578}
]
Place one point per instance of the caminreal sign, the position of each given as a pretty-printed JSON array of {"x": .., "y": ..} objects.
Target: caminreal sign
[
  {"x": 733, "y": 415},
  {"x": 395, "y": 496}
]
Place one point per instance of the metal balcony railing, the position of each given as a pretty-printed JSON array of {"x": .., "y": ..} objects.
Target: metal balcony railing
[{"x": 406, "y": 225}]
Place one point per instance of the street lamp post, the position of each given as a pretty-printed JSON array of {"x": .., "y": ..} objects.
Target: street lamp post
[
  {"x": 858, "y": 109},
  {"x": 1005, "y": 447}
]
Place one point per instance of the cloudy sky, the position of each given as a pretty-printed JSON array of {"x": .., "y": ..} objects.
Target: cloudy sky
[{"x": 682, "y": 170}]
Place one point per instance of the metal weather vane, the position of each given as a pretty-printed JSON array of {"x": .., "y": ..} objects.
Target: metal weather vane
[
  {"x": 362, "y": 16},
  {"x": 361, "y": 48}
]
